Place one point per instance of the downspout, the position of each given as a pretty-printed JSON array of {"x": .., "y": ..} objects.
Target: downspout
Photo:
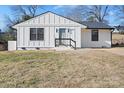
[{"x": 111, "y": 37}]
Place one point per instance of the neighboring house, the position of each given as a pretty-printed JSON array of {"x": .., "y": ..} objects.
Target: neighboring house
[
  {"x": 118, "y": 29},
  {"x": 50, "y": 30}
]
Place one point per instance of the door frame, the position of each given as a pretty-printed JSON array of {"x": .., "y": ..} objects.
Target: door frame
[{"x": 61, "y": 30}]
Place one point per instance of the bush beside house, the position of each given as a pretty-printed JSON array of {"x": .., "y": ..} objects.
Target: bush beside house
[{"x": 5, "y": 37}]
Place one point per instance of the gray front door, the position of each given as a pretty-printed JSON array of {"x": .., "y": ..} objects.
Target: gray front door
[{"x": 62, "y": 34}]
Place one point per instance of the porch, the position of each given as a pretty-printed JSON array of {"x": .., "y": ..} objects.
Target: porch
[{"x": 65, "y": 42}]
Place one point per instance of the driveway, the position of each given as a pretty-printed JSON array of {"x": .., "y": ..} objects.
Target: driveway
[{"x": 118, "y": 51}]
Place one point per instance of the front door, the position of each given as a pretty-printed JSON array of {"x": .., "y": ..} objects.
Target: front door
[{"x": 62, "y": 34}]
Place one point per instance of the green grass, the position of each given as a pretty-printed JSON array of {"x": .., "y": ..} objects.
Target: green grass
[{"x": 61, "y": 69}]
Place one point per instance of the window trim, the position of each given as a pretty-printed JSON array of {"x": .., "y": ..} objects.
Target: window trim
[
  {"x": 71, "y": 30},
  {"x": 36, "y": 35},
  {"x": 92, "y": 35}
]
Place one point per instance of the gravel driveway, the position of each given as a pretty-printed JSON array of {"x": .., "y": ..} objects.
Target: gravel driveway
[{"x": 118, "y": 51}]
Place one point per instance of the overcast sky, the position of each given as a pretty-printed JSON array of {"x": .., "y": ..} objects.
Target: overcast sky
[{"x": 5, "y": 10}]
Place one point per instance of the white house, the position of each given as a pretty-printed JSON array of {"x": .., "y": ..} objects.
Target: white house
[
  {"x": 118, "y": 29},
  {"x": 50, "y": 30}
]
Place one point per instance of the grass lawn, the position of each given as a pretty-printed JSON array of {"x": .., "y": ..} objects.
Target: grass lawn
[{"x": 95, "y": 68}]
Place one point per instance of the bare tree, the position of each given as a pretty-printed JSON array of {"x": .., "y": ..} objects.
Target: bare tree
[
  {"x": 9, "y": 21},
  {"x": 99, "y": 12},
  {"x": 120, "y": 17},
  {"x": 119, "y": 13},
  {"x": 25, "y": 10},
  {"x": 90, "y": 13},
  {"x": 22, "y": 13},
  {"x": 76, "y": 13},
  {"x": 91, "y": 18},
  {"x": 32, "y": 9}
]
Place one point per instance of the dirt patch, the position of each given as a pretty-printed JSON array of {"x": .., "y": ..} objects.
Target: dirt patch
[{"x": 118, "y": 51}]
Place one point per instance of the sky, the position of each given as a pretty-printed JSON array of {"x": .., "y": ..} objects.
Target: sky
[{"x": 5, "y": 10}]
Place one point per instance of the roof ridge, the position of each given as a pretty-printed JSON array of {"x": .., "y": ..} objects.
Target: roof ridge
[
  {"x": 48, "y": 12},
  {"x": 89, "y": 24}
]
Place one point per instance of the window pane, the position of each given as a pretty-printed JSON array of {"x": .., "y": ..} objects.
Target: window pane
[
  {"x": 94, "y": 35},
  {"x": 40, "y": 37},
  {"x": 33, "y": 37},
  {"x": 40, "y": 34},
  {"x": 32, "y": 33},
  {"x": 33, "y": 30},
  {"x": 71, "y": 31}
]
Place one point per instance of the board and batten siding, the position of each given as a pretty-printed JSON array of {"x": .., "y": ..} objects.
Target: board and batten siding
[
  {"x": 50, "y": 22},
  {"x": 104, "y": 38}
]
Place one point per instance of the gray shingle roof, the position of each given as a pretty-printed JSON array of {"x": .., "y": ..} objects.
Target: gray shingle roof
[
  {"x": 96, "y": 25},
  {"x": 89, "y": 24}
]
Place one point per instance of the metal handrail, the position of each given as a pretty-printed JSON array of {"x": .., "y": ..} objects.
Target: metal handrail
[{"x": 71, "y": 40}]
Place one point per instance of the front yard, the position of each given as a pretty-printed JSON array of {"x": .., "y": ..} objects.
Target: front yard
[{"x": 80, "y": 68}]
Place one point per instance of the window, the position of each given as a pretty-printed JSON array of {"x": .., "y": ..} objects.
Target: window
[
  {"x": 36, "y": 33},
  {"x": 94, "y": 35},
  {"x": 70, "y": 30}
]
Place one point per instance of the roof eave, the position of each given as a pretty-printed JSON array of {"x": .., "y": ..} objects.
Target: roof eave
[{"x": 100, "y": 28}]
